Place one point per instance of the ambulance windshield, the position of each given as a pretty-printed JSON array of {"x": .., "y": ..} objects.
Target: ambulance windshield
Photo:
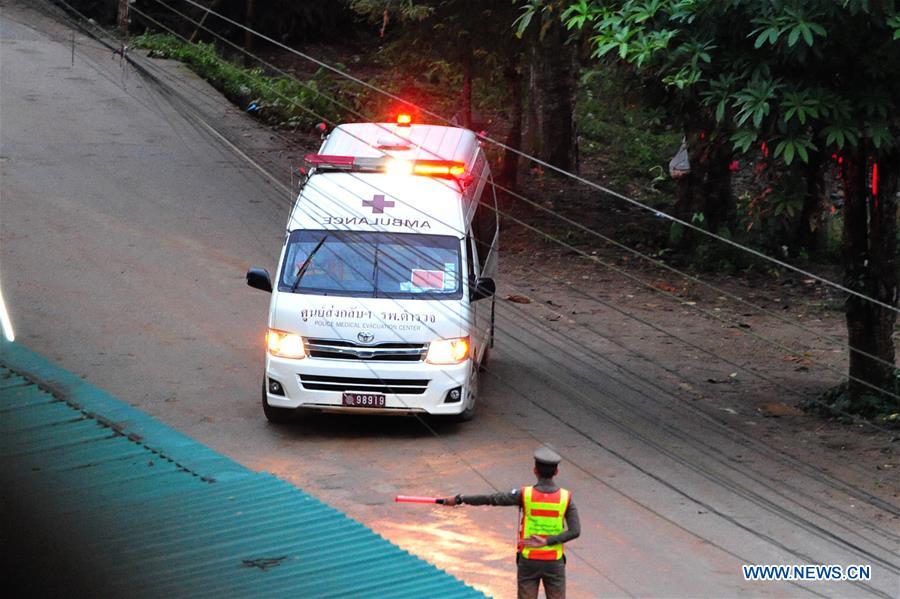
[{"x": 372, "y": 264}]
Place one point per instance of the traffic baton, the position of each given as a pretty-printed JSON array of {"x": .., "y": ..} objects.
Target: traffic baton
[{"x": 415, "y": 499}]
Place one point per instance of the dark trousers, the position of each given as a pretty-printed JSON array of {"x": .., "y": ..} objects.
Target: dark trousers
[{"x": 531, "y": 572}]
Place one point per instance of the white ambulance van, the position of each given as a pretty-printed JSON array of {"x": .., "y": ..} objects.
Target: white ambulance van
[{"x": 383, "y": 298}]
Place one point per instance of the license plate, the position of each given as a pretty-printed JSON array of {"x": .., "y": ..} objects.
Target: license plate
[{"x": 363, "y": 400}]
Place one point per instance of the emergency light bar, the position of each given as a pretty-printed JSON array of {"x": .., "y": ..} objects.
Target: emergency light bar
[
  {"x": 344, "y": 163},
  {"x": 442, "y": 169},
  {"x": 439, "y": 168}
]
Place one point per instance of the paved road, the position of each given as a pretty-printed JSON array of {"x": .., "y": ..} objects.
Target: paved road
[{"x": 127, "y": 226}]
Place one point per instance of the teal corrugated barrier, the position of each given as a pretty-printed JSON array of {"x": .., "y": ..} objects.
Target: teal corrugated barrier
[{"x": 144, "y": 511}]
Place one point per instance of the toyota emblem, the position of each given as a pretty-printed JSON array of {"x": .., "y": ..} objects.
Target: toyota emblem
[{"x": 365, "y": 337}]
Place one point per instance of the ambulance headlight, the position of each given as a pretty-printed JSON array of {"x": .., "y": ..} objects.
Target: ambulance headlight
[
  {"x": 448, "y": 351},
  {"x": 284, "y": 344}
]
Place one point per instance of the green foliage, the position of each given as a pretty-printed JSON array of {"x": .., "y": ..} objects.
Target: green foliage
[
  {"x": 281, "y": 101},
  {"x": 802, "y": 105},
  {"x": 426, "y": 45},
  {"x": 793, "y": 21},
  {"x": 709, "y": 255},
  {"x": 799, "y": 75},
  {"x": 794, "y": 145},
  {"x": 837, "y": 403},
  {"x": 628, "y": 139},
  {"x": 753, "y": 101},
  {"x": 769, "y": 216},
  {"x": 377, "y": 10}
]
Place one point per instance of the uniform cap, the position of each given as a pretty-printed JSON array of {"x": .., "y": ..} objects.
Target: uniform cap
[{"x": 545, "y": 455}]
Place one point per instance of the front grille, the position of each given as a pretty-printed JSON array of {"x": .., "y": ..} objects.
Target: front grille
[
  {"x": 347, "y": 350},
  {"x": 372, "y": 385}
]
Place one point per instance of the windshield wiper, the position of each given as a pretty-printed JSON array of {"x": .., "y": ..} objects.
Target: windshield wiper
[{"x": 306, "y": 264}]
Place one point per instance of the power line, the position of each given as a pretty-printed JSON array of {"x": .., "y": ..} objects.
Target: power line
[
  {"x": 565, "y": 219},
  {"x": 522, "y": 311},
  {"x": 635, "y": 252},
  {"x": 661, "y": 264},
  {"x": 597, "y": 260},
  {"x": 545, "y": 164},
  {"x": 589, "y": 256},
  {"x": 418, "y": 417}
]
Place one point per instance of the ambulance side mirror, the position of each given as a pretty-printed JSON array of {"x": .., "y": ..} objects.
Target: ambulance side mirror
[
  {"x": 483, "y": 288},
  {"x": 258, "y": 278}
]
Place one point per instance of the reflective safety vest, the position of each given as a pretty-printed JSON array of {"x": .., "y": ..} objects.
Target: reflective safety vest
[{"x": 542, "y": 514}]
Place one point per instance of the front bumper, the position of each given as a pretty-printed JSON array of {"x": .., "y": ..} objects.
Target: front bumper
[{"x": 294, "y": 377}]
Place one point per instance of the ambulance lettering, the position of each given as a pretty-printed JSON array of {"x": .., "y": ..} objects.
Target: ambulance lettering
[{"x": 344, "y": 221}]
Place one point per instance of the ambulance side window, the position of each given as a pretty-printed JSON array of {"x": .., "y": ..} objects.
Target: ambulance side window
[{"x": 484, "y": 224}]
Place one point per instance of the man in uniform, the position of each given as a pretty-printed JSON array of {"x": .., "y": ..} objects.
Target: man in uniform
[{"x": 548, "y": 519}]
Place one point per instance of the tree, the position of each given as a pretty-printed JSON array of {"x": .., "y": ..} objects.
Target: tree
[
  {"x": 809, "y": 78},
  {"x": 551, "y": 70},
  {"x": 449, "y": 30}
]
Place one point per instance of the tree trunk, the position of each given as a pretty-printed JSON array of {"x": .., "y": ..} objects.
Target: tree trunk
[
  {"x": 556, "y": 86},
  {"x": 870, "y": 268},
  {"x": 707, "y": 189},
  {"x": 248, "y": 36},
  {"x": 122, "y": 19},
  {"x": 687, "y": 189},
  {"x": 535, "y": 134},
  {"x": 809, "y": 230},
  {"x": 718, "y": 201},
  {"x": 509, "y": 168}
]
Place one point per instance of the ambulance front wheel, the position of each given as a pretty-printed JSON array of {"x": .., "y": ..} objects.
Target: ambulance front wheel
[
  {"x": 482, "y": 365},
  {"x": 485, "y": 358},
  {"x": 469, "y": 413},
  {"x": 273, "y": 414}
]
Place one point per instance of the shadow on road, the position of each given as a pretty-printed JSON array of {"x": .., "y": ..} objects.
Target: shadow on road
[{"x": 354, "y": 426}]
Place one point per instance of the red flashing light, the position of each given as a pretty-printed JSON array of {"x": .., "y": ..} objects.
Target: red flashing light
[
  {"x": 404, "y": 120},
  {"x": 445, "y": 169},
  {"x": 875, "y": 179}
]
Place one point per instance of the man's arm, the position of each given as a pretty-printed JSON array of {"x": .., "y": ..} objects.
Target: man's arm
[
  {"x": 513, "y": 497},
  {"x": 573, "y": 527}
]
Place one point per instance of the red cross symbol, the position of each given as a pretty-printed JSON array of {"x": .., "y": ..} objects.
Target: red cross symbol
[{"x": 378, "y": 204}]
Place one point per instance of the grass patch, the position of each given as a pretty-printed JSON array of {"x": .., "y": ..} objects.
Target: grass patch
[{"x": 280, "y": 101}]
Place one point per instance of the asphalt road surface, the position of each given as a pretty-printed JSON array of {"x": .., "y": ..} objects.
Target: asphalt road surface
[{"x": 127, "y": 227}]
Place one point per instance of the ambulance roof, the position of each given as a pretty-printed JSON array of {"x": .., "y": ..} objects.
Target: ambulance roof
[
  {"x": 420, "y": 142},
  {"x": 397, "y": 203}
]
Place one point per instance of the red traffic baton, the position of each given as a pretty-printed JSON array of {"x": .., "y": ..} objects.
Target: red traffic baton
[{"x": 417, "y": 499}]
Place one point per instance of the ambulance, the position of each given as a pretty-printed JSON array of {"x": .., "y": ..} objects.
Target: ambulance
[{"x": 383, "y": 297}]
